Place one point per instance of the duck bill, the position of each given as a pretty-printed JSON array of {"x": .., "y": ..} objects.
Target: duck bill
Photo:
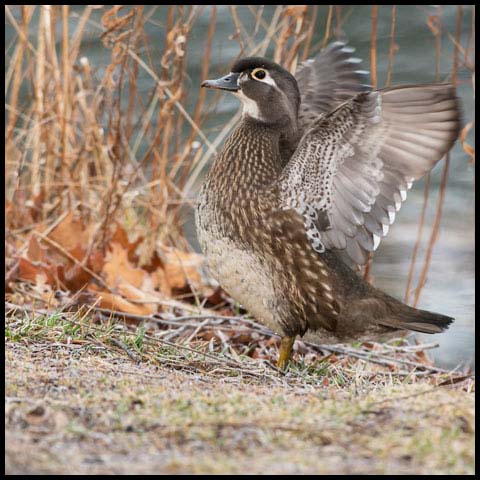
[{"x": 228, "y": 82}]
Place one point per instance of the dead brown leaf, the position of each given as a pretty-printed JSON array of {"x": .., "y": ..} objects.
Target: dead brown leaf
[
  {"x": 118, "y": 268},
  {"x": 120, "y": 236},
  {"x": 295, "y": 11},
  {"x": 467, "y": 148},
  {"x": 34, "y": 272},
  {"x": 143, "y": 295},
  {"x": 37, "y": 252},
  {"x": 70, "y": 233},
  {"x": 116, "y": 302},
  {"x": 75, "y": 277},
  {"x": 160, "y": 282},
  {"x": 182, "y": 268}
]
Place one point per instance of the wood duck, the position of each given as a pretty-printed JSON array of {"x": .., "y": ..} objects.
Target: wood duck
[{"x": 308, "y": 184}]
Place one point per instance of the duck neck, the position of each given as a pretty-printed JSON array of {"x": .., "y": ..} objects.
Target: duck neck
[{"x": 250, "y": 158}]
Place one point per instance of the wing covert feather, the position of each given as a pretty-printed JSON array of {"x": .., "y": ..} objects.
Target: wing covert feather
[{"x": 357, "y": 163}]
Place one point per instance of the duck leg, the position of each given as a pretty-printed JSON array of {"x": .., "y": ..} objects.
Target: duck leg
[{"x": 286, "y": 346}]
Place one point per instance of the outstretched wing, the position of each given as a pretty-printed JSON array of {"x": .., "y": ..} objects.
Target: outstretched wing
[
  {"x": 328, "y": 80},
  {"x": 351, "y": 170}
]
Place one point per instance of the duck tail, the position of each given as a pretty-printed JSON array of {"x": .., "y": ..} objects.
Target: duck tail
[{"x": 419, "y": 320}]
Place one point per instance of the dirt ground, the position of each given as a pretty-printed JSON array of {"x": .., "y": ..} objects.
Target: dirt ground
[{"x": 72, "y": 409}]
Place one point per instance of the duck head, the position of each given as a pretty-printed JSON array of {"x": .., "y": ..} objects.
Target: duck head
[{"x": 268, "y": 92}]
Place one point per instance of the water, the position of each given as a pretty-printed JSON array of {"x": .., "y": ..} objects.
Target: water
[{"x": 450, "y": 286}]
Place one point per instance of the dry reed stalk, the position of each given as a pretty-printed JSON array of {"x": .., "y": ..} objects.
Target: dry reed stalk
[
  {"x": 197, "y": 119},
  {"x": 373, "y": 46},
  {"x": 158, "y": 167},
  {"x": 327, "y": 35},
  {"x": 373, "y": 72},
  {"x": 54, "y": 102},
  {"x": 435, "y": 25},
  {"x": 66, "y": 68},
  {"x": 169, "y": 122},
  {"x": 21, "y": 32},
  {"x": 164, "y": 125},
  {"x": 271, "y": 30},
  {"x": 259, "y": 21},
  {"x": 78, "y": 35},
  {"x": 471, "y": 40},
  {"x": 181, "y": 74},
  {"x": 282, "y": 40},
  {"x": 310, "y": 32},
  {"x": 117, "y": 151},
  {"x": 421, "y": 222},
  {"x": 338, "y": 20},
  {"x": 13, "y": 177},
  {"x": 39, "y": 101},
  {"x": 457, "y": 44},
  {"x": 391, "y": 52},
  {"x": 434, "y": 235},
  {"x": 438, "y": 214},
  {"x": 238, "y": 29},
  {"x": 133, "y": 98},
  {"x": 299, "y": 15},
  {"x": 293, "y": 20},
  {"x": 258, "y": 17},
  {"x": 17, "y": 62}
]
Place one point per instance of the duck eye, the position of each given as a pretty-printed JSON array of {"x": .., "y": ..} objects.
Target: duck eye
[{"x": 259, "y": 73}]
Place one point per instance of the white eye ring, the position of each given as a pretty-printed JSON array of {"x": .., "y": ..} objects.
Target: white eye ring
[
  {"x": 265, "y": 79},
  {"x": 259, "y": 71}
]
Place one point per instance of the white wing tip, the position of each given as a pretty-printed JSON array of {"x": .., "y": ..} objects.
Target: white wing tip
[{"x": 391, "y": 215}]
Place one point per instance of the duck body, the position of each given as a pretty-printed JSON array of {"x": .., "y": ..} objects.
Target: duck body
[
  {"x": 260, "y": 254},
  {"x": 266, "y": 218}
]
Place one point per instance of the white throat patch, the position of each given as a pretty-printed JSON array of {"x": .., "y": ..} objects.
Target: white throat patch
[{"x": 250, "y": 106}]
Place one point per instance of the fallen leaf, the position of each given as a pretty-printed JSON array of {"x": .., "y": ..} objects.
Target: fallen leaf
[
  {"x": 95, "y": 261},
  {"x": 120, "y": 236},
  {"x": 160, "y": 282},
  {"x": 37, "y": 252},
  {"x": 111, "y": 301},
  {"x": 34, "y": 272},
  {"x": 70, "y": 233},
  {"x": 216, "y": 297},
  {"x": 422, "y": 357},
  {"x": 132, "y": 293},
  {"x": 295, "y": 11},
  {"x": 182, "y": 268},
  {"x": 118, "y": 268},
  {"x": 467, "y": 148},
  {"x": 75, "y": 277}
]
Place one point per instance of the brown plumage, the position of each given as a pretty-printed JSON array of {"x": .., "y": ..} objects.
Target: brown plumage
[{"x": 309, "y": 181}]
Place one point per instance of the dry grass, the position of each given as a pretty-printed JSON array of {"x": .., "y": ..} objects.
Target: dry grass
[
  {"x": 189, "y": 391},
  {"x": 226, "y": 345},
  {"x": 78, "y": 401}
]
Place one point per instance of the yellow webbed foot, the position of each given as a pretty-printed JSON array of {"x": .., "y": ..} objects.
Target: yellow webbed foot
[{"x": 285, "y": 352}]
